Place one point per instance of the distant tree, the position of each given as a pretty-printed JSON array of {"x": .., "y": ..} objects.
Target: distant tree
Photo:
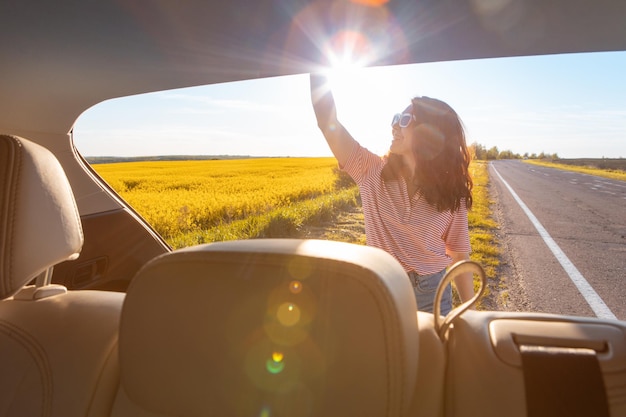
[
  {"x": 508, "y": 154},
  {"x": 493, "y": 153},
  {"x": 472, "y": 150},
  {"x": 478, "y": 151}
]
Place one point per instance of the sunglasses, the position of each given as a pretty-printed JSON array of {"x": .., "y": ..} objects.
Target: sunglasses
[{"x": 402, "y": 119}]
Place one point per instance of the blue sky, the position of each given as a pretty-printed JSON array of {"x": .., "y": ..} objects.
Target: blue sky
[{"x": 573, "y": 105}]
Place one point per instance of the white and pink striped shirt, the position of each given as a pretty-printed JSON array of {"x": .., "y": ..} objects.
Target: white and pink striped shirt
[{"x": 410, "y": 229}]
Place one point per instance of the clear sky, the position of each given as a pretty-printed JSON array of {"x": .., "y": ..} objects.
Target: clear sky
[{"x": 573, "y": 105}]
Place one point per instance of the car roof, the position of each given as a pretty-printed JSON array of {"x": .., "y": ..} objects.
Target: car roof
[{"x": 60, "y": 58}]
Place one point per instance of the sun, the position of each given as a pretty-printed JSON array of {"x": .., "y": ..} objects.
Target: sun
[
  {"x": 346, "y": 53},
  {"x": 348, "y": 49},
  {"x": 360, "y": 87}
]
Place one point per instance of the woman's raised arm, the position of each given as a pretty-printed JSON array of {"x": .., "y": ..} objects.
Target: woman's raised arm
[{"x": 338, "y": 138}]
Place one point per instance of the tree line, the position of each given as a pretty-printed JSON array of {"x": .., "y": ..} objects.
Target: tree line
[{"x": 480, "y": 152}]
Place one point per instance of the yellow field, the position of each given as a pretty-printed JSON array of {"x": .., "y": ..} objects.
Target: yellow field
[{"x": 180, "y": 197}]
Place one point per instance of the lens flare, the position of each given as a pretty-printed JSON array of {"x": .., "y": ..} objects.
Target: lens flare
[
  {"x": 275, "y": 364},
  {"x": 295, "y": 287},
  {"x": 371, "y": 3},
  {"x": 300, "y": 268},
  {"x": 288, "y": 314},
  {"x": 348, "y": 49}
]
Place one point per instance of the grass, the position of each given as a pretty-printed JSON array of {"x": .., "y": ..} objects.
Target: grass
[
  {"x": 183, "y": 200},
  {"x": 481, "y": 227},
  {"x": 279, "y": 222},
  {"x": 615, "y": 174}
]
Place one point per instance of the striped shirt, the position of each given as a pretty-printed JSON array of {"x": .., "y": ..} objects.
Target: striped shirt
[{"x": 410, "y": 229}]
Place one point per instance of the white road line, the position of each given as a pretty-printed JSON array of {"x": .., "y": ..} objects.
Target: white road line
[{"x": 596, "y": 303}]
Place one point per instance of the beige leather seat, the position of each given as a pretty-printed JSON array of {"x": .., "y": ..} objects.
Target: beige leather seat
[
  {"x": 54, "y": 344},
  {"x": 270, "y": 328}
]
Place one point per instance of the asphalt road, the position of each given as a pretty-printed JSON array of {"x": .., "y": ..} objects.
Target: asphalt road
[{"x": 562, "y": 228}]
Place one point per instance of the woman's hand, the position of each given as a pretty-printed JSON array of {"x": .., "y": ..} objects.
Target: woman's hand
[{"x": 464, "y": 282}]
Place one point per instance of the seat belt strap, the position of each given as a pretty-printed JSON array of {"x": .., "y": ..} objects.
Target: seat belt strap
[{"x": 563, "y": 382}]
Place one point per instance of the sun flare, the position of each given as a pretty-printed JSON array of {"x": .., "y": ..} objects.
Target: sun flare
[{"x": 348, "y": 50}]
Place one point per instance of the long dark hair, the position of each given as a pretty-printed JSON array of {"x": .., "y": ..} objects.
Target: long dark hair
[{"x": 442, "y": 159}]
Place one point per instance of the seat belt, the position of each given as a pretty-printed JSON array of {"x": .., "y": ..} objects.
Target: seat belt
[{"x": 563, "y": 382}]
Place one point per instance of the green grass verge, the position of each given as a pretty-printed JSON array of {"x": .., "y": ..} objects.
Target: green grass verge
[{"x": 482, "y": 228}]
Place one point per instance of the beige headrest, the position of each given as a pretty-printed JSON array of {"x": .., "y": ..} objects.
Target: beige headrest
[
  {"x": 39, "y": 222},
  {"x": 270, "y": 327}
]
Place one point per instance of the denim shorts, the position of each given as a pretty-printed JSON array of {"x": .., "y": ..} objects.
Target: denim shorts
[{"x": 425, "y": 287}]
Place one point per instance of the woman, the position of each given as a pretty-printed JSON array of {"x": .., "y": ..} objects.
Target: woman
[{"x": 415, "y": 199}]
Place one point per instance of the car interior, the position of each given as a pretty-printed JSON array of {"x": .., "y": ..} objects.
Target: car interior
[{"x": 100, "y": 317}]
